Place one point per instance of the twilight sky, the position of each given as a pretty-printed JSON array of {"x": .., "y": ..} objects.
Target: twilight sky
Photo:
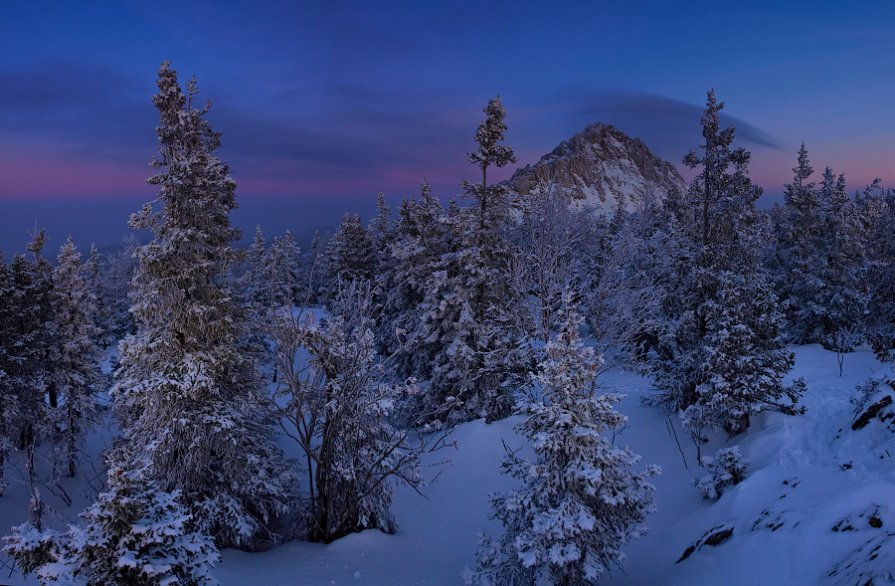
[{"x": 325, "y": 104}]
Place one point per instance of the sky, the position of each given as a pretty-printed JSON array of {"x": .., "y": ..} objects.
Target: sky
[{"x": 322, "y": 105}]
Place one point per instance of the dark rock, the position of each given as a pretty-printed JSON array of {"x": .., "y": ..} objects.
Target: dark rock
[
  {"x": 719, "y": 537},
  {"x": 687, "y": 553},
  {"x": 871, "y": 412}
]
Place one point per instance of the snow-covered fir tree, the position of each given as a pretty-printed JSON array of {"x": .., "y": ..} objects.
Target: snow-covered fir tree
[
  {"x": 312, "y": 270},
  {"x": 421, "y": 238},
  {"x": 382, "y": 234},
  {"x": 740, "y": 362},
  {"x": 723, "y": 313},
  {"x": 135, "y": 534},
  {"x": 93, "y": 281},
  {"x": 28, "y": 388},
  {"x": 844, "y": 296},
  {"x": 580, "y": 500},
  {"x": 283, "y": 270},
  {"x": 876, "y": 207},
  {"x": 349, "y": 256},
  {"x": 75, "y": 371},
  {"x": 801, "y": 249},
  {"x": 471, "y": 310},
  {"x": 113, "y": 290},
  {"x": 190, "y": 402},
  {"x": 253, "y": 290},
  {"x": 9, "y": 366},
  {"x": 639, "y": 270}
]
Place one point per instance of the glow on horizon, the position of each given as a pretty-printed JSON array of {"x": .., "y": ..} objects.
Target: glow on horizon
[{"x": 305, "y": 114}]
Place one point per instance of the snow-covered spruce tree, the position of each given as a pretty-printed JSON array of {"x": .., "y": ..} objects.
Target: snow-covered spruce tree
[
  {"x": 312, "y": 272},
  {"x": 283, "y": 261},
  {"x": 190, "y": 402},
  {"x": 28, "y": 388},
  {"x": 38, "y": 306},
  {"x": 421, "y": 238},
  {"x": 116, "y": 273},
  {"x": 725, "y": 359},
  {"x": 802, "y": 253},
  {"x": 640, "y": 270},
  {"x": 339, "y": 411},
  {"x": 877, "y": 216},
  {"x": 382, "y": 234},
  {"x": 844, "y": 298},
  {"x": 349, "y": 256},
  {"x": 75, "y": 372},
  {"x": 580, "y": 499},
  {"x": 740, "y": 363},
  {"x": 471, "y": 308},
  {"x": 93, "y": 282},
  {"x": 8, "y": 366},
  {"x": 135, "y": 534},
  {"x": 252, "y": 286}
]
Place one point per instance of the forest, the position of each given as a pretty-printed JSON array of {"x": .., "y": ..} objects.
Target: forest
[{"x": 366, "y": 349}]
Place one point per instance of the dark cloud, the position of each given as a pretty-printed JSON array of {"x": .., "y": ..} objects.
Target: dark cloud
[
  {"x": 669, "y": 127},
  {"x": 83, "y": 110},
  {"x": 87, "y": 112}
]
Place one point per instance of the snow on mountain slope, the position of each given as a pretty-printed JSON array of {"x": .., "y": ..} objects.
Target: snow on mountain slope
[
  {"x": 816, "y": 494},
  {"x": 803, "y": 482},
  {"x": 599, "y": 165}
]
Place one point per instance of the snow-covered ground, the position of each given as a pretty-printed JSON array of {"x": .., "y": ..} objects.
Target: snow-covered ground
[{"x": 816, "y": 492}]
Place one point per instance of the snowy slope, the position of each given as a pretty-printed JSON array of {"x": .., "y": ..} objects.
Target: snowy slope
[
  {"x": 782, "y": 515},
  {"x": 808, "y": 475}
]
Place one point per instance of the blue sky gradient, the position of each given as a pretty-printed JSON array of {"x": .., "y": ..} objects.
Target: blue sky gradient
[{"x": 323, "y": 105}]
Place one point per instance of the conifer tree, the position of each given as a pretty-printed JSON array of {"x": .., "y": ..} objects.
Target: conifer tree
[
  {"x": 311, "y": 273},
  {"x": 93, "y": 281},
  {"x": 725, "y": 328},
  {"x": 349, "y": 256},
  {"x": 75, "y": 371},
  {"x": 408, "y": 331},
  {"x": 843, "y": 298},
  {"x": 877, "y": 220},
  {"x": 186, "y": 395},
  {"x": 134, "y": 534},
  {"x": 283, "y": 264},
  {"x": 8, "y": 367},
  {"x": 381, "y": 234},
  {"x": 579, "y": 500},
  {"x": 116, "y": 275},
  {"x": 471, "y": 308},
  {"x": 253, "y": 288},
  {"x": 802, "y": 248}
]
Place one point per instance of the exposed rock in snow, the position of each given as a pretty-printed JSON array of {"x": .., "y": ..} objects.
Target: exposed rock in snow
[
  {"x": 713, "y": 537},
  {"x": 597, "y": 167},
  {"x": 873, "y": 411}
]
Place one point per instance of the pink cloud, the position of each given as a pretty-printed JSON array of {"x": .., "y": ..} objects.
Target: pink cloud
[{"x": 36, "y": 175}]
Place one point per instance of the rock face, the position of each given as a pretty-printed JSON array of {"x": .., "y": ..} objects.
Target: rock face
[{"x": 597, "y": 167}]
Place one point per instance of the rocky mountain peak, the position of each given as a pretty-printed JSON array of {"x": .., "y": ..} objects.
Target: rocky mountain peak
[{"x": 598, "y": 166}]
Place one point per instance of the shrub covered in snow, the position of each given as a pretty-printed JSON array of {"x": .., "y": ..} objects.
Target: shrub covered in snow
[
  {"x": 726, "y": 468},
  {"x": 133, "y": 534}
]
